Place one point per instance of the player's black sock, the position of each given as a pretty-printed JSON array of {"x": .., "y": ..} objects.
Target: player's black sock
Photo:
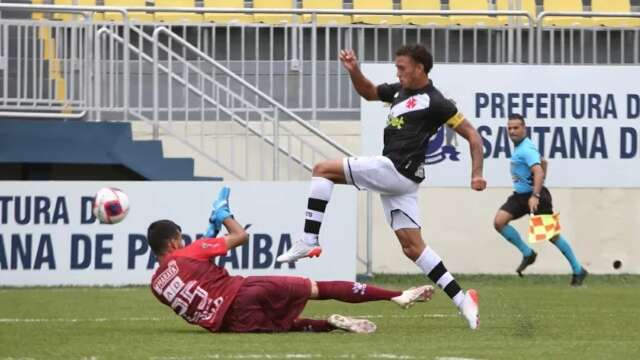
[
  {"x": 319, "y": 196},
  {"x": 432, "y": 265}
]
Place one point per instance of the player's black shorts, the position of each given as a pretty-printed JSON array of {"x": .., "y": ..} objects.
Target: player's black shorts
[{"x": 518, "y": 204}]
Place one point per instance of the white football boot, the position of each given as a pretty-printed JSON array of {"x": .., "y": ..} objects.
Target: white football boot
[
  {"x": 470, "y": 308},
  {"x": 360, "y": 326},
  {"x": 300, "y": 250},
  {"x": 413, "y": 295}
]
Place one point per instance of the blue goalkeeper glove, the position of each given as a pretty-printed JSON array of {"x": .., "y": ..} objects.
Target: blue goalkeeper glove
[{"x": 219, "y": 212}]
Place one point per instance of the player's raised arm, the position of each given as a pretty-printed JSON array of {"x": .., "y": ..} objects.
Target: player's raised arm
[
  {"x": 467, "y": 131},
  {"x": 237, "y": 236},
  {"x": 364, "y": 86}
]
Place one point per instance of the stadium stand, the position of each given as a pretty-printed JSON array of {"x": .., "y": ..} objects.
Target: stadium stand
[
  {"x": 526, "y": 5},
  {"x": 135, "y": 16},
  {"x": 565, "y": 21},
  {"x": 325, "y": 19},
  {"x": 229, "y": 18},
  {"x": 622, "y": 6},
  {"x": 70, "y": 150},
  {"x": 471, "y": 20},
  {"x": 375, "y": 19},
  {"x": 273, "y": 18},
  {"x": 71, "y": 17},
  {"x": 423, "y": 20},
  {"x": 177, "y": 17}
]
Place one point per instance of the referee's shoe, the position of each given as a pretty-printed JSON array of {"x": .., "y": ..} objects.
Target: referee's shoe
[
  {"x": 300, "y": 250},
  {"x": 526, "y": 261}
]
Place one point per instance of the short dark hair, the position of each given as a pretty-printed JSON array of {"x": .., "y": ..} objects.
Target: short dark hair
[
  {"x": 160, "y": 233},
  {"x": 517, "y": 117},
  {"x": 419, "y": 54}
]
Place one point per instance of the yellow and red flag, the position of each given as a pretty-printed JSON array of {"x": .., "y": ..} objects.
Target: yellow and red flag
[{"x": 543, "y": 227}]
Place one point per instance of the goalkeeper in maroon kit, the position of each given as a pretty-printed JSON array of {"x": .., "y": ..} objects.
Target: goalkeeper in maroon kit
[{"x": 205, "y": 294}]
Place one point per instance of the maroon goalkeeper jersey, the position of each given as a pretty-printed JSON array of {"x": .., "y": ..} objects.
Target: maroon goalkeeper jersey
[{"x": 193, "y": 286}]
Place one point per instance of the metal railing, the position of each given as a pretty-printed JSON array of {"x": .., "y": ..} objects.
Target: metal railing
[
  {"x": 64, "y": 49},
  {"x": 294, "y": 63},
  {"x": 269, "y": 126},
  {"x": 567, "y": 54},
  {"x": 297, "y": 63},
  {"x": 219, "y": 105}
]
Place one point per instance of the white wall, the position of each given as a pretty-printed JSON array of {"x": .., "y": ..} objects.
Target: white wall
[{"x": 600, "y": 224}]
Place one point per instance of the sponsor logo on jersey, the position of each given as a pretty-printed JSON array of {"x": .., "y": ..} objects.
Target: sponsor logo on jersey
[
  {"x": 206, "y": 245},
  {"x": 395, "y": 122},
  {"x": 165, "y": 276}
]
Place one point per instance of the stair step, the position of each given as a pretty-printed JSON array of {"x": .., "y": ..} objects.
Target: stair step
[{"x": 75, "y": 142}]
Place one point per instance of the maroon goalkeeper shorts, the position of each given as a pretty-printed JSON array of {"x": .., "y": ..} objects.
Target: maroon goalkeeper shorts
[{"x": 267, "y": 304}]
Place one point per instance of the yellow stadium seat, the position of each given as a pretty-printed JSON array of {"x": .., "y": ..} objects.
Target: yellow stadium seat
[
  {"x": 375, "y": 19},
  {"x": 565, "y": 5},
  {"x": 273, "y": 18},
  {"x": 177, "y": 17},
  {"x": 622, "y": 6},
  {"x": 526, "y": 5},
  {"x": 423, "y": 20},
  {"x": 226, "y": 18},
  {"x": 135, "y": 16},
  {"x": 37, "y": 15},
  {"x": 471, "y": 20},
  {"x": 72, "y": 17},
  {"x": 327, "y": 18}
]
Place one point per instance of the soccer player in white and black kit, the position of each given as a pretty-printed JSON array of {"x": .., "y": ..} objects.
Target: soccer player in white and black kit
[{"x": 417, "y": 111}]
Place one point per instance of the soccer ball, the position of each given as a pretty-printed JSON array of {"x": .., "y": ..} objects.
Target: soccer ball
[{"x": 110, "y": 205}]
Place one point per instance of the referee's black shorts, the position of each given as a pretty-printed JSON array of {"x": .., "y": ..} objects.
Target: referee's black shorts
[{"x": 518, "y": 204}]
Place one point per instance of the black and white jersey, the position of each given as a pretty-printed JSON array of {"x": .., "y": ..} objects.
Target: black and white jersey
[{"x": 414, "y": 117}]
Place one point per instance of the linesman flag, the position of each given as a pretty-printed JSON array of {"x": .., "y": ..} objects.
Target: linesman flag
[{"x": 543, "y": 227}]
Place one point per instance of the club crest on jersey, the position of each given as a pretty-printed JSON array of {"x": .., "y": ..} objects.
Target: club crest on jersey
[
  {"x": 413, "y": 103},
  {"x": 441, "y": 146}
]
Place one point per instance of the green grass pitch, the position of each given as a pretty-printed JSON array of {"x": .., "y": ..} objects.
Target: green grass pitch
[{"x": 535, "y": 317}]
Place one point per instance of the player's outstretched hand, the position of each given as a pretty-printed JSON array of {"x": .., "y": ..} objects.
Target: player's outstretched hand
[
  {"x": 219, "y": 212},
  {"x": 478, "y": 183},
  {"x": 349, "y": 59}
]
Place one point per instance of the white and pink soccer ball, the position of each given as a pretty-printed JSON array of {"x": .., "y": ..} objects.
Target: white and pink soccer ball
[{"x": 110, "y": 205}]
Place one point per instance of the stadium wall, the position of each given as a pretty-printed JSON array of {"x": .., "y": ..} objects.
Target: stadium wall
[{"x": 599, "y": 223}]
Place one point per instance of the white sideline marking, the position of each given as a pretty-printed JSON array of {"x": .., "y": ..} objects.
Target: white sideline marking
[
  {"x": 134, "y": 319},
  {"x": 239, "y": 356},
  {"x": 72, "y": 320},
  {"x": 30, "y": 358},
  {"x": 64, "y": 288},
  {"x": 307, "y": 356},
  {"x": 392, "y": 356},
  {"x": 300, "y": 356},
  {"x": 417, "y": 316}
]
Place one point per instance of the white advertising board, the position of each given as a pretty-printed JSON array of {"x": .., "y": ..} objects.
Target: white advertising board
[
  {"x": 584, "y": 119},
  {"x": 49, "y": 237}
]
